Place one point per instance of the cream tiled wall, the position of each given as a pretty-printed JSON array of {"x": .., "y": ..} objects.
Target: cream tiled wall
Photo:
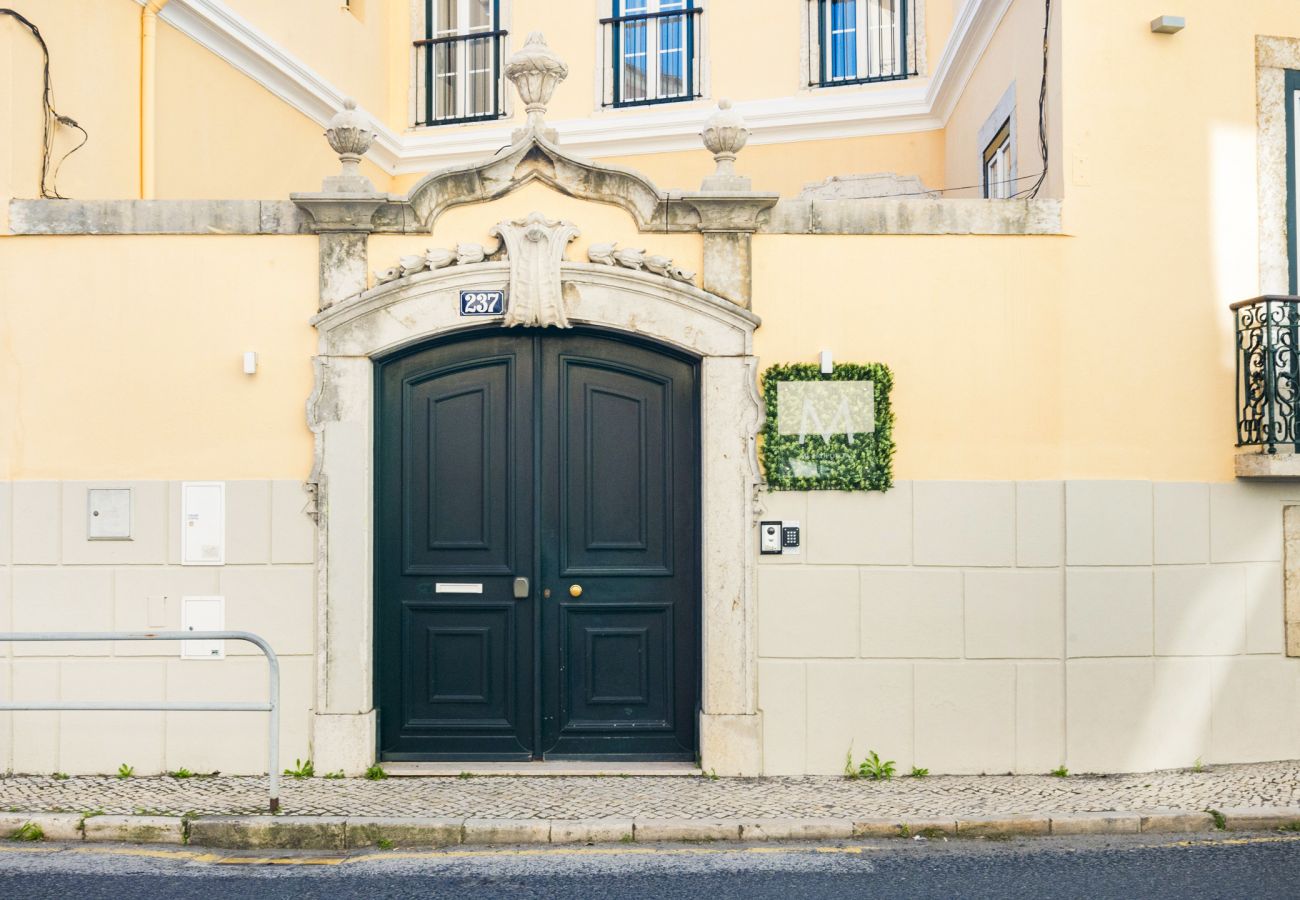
[
  {"x": 1018, "y": 626},
  {"x": 52, "y": 578}
]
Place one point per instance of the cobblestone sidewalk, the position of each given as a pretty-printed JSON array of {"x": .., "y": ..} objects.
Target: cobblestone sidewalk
[{"x": 697, "y": 798}]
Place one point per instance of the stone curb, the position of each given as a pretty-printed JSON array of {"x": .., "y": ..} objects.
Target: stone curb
[{"x": 339, "y": 833}]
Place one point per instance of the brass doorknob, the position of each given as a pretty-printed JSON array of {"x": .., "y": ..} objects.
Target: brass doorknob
[{"x": 575, "y": 590}]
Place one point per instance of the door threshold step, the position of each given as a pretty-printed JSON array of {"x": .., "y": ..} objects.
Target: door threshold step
[{"x": 546, "y": 768}]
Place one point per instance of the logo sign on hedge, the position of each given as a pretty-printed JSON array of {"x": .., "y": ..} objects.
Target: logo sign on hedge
[
  {"x": 828, "y": 432},
  {"x": 825, "y": 408}
]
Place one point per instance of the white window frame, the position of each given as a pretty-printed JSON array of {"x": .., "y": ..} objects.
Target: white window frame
[
  {"x": 1293, "y": 189},
  {"x": 865, "y": 40},
  {"x": 498, "y": 12},
  {"x": 997, "y": 165},
  {"x": 654, "y": 49},
  {"x": 1002, "y": 117}
]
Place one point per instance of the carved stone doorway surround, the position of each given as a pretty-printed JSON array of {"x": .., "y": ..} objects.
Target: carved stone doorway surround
[{"x": 418, "y": 302}]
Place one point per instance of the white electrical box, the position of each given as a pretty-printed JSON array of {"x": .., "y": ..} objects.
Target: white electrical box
[
  {"x": 203, "y": 614},
  {"x": 108, "y": 514},
  {"x": 203, "y": 523}
]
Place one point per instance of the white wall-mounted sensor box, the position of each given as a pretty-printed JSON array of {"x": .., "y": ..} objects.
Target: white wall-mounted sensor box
[
  {"x": 203, "y": 523},
  {"x": 1168, "y": 24},
  {"x": 203, "y": 614}
]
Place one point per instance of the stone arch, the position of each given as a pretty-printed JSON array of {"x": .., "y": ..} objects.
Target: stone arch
[
  {"x": 534, "y": 158},
  {"x": 341, "y": 413}
]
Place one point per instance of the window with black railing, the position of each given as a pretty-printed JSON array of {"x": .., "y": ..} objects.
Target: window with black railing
[
  {"x": 458, "y": 62},
  {"x": 652, "y": 52},
  {"x": 861, "y": 41}
]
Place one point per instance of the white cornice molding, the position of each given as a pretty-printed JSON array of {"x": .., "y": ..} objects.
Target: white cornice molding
[{"x": 919, "y": 104}]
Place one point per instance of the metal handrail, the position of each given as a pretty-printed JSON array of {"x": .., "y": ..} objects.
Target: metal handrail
[{"x": 272, "y": 705}]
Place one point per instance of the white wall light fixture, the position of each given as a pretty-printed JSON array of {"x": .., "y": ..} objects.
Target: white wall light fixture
[
  {"x": 250, "y": 362},
  {"x": 1168, "y": 24},
  {"x": 827, "y": 362}
]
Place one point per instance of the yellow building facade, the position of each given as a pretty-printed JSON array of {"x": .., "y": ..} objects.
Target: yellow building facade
[{"x": 1034, "y": 214}]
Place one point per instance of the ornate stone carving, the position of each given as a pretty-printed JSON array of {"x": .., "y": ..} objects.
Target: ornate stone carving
[
  {"x": 629, "y": 258},
  {"x": 724, "y": 135},
  {"x": 469, "y": 253},
  {"x": 535, "y": 72},
  {"x": 349, "y": 136},
  {"x": 436, "y": 258},
  {"x": 535, "y": 247}
]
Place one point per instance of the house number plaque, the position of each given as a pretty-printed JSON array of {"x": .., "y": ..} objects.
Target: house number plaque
[{"x": 482, "y": 303}]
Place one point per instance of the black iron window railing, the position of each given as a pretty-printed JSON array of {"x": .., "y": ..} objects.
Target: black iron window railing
[
  {"x": 458, "y": 62},
  {"x": 652, "y": 52},
  {"x": 1268, "y": 372},
  {"x": 860, "y": 41}
]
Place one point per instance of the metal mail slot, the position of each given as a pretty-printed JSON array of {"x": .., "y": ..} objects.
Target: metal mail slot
[{"x": 444, "y": 587}]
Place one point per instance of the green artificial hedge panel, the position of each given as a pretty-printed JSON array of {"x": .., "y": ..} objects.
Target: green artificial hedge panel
[{"x": 866, "y": 464}]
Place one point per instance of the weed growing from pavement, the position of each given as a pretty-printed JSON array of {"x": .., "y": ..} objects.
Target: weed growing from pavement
[
  {"x": 376, "y": 773},
  {"x": 465, "y": 776},
  {"x": 182, "y": 772},
  {"x": 302, "y": 769},
  {"x": 875, "y": 768},
  {"x": 1198, "y": 766},
  {"x": 333, "y": 775},
  {"x": 1220, "y": 822},
  {"x": 60, "y": 776},
  {"x": 1061, "y": 772},
  {"x": 918, "y": 772},
  {"x": 124, "y": 771},
  {"x": 28, "y": 831},
  {"x": 385, "y": 844}
]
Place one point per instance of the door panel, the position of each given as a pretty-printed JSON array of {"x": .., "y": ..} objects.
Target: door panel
[
  {"x": 615, "y": 503},
  {"x": 619, "y": 673},
  {"x": 570, "y": 460},
  {"x": 455, "y": 460},
  {"x": 454, "y": 519},
  {"x": 463, "y": 657},
  {"x": 620, "y": 513}
]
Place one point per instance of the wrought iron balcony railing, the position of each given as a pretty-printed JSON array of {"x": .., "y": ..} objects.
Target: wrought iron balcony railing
[
  {"x": 1268, "y": 372},
  {"x": 862, "y": 41},
  {"x": 459, "y": 77}
]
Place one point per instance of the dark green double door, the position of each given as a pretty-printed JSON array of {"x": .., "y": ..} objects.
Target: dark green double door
[{"x": 537, "y": 559}]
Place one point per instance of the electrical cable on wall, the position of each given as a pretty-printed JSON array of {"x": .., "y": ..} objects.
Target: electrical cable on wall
[
  {"x": 1042, "y": 105},
  {"x": 1032, "y": 191},
  {"x": 49, "y": 179}
]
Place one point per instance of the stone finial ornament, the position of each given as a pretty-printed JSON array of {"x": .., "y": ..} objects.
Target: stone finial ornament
[
  {"x": 535, "y": 72},
  {"x": 349, "y": 136},
  {"x": 724, "y": 135}
]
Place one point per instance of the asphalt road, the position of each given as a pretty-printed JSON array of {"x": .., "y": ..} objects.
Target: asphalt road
[{"x": 1204, "y": 867}]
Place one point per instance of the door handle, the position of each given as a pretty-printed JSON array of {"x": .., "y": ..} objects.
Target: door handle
[
  {"x": 521, "y": 588},
  {"x": 575, "y": 590}
]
